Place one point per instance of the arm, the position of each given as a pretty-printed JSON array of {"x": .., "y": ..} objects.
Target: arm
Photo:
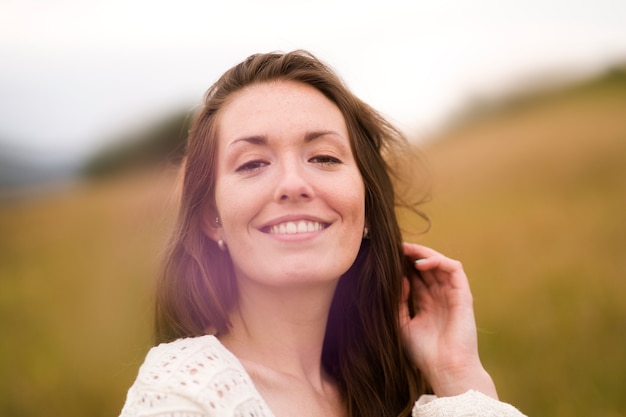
[
  {"x": 441, "y": 338},
  {"x": 144, "y": 402}
]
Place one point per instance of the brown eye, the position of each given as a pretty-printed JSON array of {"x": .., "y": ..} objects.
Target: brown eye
[
  {"x": 325, "y": 160},
  {"x": 252, "y": 166}
]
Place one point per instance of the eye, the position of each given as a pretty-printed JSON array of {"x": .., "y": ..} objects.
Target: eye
[
  {"x": 325, "y": 160},
  {"x": 252, "y": 166}
]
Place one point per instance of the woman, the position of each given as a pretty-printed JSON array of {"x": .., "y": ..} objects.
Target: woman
[{"x": 283, "y": 292}]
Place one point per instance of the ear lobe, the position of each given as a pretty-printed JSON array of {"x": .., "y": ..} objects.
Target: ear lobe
[{"x": 210, "y": 227}]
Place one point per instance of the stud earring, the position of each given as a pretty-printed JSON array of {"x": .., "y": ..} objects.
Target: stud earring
[
  {"x": 221, "y": 244},
  {"x": 217, "y": 221},
  {"x": 366, "y": 233}
]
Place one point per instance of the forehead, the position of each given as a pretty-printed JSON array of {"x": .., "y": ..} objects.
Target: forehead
[{"x": 274, "y": 107}]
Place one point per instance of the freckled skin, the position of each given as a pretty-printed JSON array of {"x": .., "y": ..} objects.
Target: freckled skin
[{"x": 283, "y": 156}]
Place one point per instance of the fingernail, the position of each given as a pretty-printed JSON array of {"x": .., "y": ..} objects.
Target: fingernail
[{"x": 420, "y": 261}]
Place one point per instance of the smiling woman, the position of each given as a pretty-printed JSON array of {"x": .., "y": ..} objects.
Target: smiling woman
[
  {"x": 283, "y": 290},
  {"x": 287, "y": 162}
]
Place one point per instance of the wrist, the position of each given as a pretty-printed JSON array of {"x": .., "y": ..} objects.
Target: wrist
[{"x": 451, "y": 382}]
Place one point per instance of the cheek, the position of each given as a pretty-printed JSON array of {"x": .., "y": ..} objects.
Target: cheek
[
  {"x": 237, "y": 204},
  {"x": 353, "y": 199},
  {"x": 227, "y": 202},
  {"x": 229, "y": 207}
]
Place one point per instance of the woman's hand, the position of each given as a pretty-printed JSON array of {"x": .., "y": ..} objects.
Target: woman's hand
[{"x": 441, "y": 338}]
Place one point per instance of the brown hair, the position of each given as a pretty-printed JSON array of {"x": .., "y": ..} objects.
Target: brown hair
[{"x": 362, "y": 346}]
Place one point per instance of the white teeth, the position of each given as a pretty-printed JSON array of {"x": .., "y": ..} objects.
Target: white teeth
[{"x": 291, "y": 228}]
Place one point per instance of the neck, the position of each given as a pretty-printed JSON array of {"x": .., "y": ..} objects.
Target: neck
[{"x": 281, "y": 328}]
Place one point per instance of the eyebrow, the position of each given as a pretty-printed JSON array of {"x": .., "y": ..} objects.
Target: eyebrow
[
  {"x": 254, "y": 140},
  {"x": 311, "y": 136},
  {"x": 262, "y": 140}
]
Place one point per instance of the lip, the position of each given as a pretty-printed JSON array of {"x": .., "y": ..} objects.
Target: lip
[{"x": 294, "y": 218}]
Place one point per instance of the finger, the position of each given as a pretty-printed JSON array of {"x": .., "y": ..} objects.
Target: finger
[
  {"x": 425, "y": 274},
  {"x": 444, "y": 271},
  {"x": 426, "y": 258},
  {"x": 435, "y": 268},
  {"x": 422, "y": 258},
  {"x": 440, "y": 263}
]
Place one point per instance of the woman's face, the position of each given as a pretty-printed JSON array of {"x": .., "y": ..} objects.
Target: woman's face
[{"x": 289, "y": 194}]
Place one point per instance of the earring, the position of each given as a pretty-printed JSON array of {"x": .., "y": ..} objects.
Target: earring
[
  {"x": 221, "y": 244},
  {"x": 217, "y": 221},
  {"x": 366, "y": 233}
]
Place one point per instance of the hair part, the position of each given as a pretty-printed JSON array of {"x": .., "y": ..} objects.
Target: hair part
[{"x": 195, "y": 294}]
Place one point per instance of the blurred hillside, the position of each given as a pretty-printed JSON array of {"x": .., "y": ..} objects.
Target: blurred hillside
[
  {"x": 529, "y": 196},
  {"x": 22, "y": 171},
  {"x": 160, "y": 144}
]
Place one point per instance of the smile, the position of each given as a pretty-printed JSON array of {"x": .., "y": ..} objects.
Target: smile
[{"x": 292, "y": 228}]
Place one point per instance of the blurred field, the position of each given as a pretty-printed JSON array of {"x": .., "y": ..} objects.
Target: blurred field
[
  {"x": 76, "y": 270},
  {"x": 531, "y": 198}
]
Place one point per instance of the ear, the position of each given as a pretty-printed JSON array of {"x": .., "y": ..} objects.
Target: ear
[{"x": 210, "y": 227}]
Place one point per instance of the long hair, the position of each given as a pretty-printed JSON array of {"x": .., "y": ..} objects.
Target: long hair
[{"x": 362, "y": 346}]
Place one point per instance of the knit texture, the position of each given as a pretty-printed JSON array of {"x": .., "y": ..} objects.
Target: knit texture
[
  {"x": 470, "y": 404},
  {"x": 198, "y": 376}
]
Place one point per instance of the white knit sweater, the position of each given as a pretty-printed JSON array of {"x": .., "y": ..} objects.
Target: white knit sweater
[{"x": 198, "y": 376}]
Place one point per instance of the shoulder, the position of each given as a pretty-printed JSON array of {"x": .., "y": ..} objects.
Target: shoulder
[
  {"x": 186, "y": 360},
  {"x": 472, "y": 403},
  {"x": 195, "y": 375}
]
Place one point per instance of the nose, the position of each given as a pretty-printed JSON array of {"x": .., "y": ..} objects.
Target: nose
[{"x": 293, "y": 183}]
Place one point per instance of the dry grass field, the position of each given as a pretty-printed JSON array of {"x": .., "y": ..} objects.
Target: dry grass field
[
  {"x": 533, "y": 202},
  {"x": 530, "y": 199},
  {"x": 76, "y": 271}
]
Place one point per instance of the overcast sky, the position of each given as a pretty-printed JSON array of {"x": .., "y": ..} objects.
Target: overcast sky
[{"x": 74, "y": 73}]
